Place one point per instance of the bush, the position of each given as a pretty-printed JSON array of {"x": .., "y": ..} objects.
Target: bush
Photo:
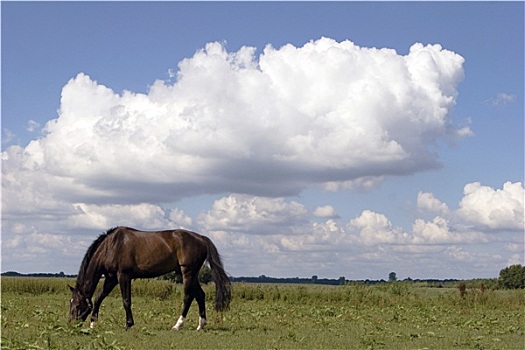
[
  {"x": 512, "y": 277},
  {"x": 205, "y": 276}
]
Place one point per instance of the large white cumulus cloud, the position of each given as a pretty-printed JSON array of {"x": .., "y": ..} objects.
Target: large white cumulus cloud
[
  {"x": 271, "y": 124},
  {"x": 494, "y": 209}
]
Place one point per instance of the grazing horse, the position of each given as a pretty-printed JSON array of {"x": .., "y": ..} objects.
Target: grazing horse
[{"x": 123, "y": 254}]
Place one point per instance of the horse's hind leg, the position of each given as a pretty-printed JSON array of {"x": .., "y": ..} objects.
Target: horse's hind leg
[
  {"x": 188, "y": 277},
  {"x": 109, "y": 283},
  {"x": 201, "y": 298}
]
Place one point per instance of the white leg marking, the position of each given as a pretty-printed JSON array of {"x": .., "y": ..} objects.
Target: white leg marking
[
  {"x": 202, "y": 323},
  {"x": 92, "y": 325},
  {"x": 179, "y": 323}
]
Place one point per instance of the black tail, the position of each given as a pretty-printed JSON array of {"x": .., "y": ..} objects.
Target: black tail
[{"x": 223, "y": 285}]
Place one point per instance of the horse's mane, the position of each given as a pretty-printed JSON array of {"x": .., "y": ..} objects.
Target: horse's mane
[{"x": 89, "y": 254}]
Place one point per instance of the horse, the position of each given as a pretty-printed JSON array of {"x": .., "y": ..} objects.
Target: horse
[{"x": 123, "y": 254}]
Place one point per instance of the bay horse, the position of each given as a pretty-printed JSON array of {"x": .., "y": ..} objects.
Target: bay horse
[{"x": 123, "y": 254}]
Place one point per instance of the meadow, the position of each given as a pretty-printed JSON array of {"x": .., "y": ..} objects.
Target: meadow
[{"x": 396, "y": 315}]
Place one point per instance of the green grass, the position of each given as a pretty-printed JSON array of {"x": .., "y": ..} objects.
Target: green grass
[{"x": 393, "y": 316}]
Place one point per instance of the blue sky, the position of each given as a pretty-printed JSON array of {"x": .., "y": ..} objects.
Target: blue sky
[{"x": 274, "y": 128}]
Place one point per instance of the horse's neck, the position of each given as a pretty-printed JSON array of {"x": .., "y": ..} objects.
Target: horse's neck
[{"x": 91, "y": 278}]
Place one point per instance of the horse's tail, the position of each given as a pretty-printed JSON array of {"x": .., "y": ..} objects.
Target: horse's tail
[{"x": 223, "y": 286}]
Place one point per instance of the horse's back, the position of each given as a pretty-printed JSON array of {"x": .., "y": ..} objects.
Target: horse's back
[
  {"x": 154, "y": 253},
  {"x": 174, "y": 239}
]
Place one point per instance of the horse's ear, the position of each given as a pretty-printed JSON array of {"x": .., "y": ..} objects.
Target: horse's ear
[{"x": 71, "y": 288}]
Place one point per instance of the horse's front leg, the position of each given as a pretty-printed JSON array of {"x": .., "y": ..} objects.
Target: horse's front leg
[
  {"x": 109, "y": 283},
  {"x": 125, "y": 288}
]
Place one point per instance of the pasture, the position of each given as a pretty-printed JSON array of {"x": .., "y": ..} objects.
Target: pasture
[{"x": 391, "y": 316}]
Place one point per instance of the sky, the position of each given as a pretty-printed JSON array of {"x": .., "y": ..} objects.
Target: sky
[{"x": 333, "y": 139}]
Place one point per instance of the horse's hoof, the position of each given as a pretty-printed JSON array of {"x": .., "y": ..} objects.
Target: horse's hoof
[
  {"x": 202, "y": 323},
  {"x": 179, "y": 323}
]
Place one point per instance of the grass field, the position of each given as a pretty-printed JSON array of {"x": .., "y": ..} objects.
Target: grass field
[{"x": 390, "y": 316}]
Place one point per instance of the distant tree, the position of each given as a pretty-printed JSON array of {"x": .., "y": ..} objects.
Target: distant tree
[
  {"x": 392, "y": 277},
  {"x": 205, "y": 274},
  {"x": 172, "y": 277},
  {"x": 314, "y": 278},
  {"x": 512, "y": 277},
  {"x": 462, "y": 289}
]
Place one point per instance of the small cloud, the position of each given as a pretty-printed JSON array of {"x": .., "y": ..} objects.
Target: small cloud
[
  {"x": 515, "y": 259},
  {"x": 464, "y": 132},
  {"x": 362, "y": 184},
  {"x": 326, "y": 211},
  {"x": 8, "y": 136},
  {"x": 180, "y": 218},
  {"x": 513, "y": 247},
  {"x": 427, "y": 202},
  {"x": 32, "y": 126},
  {"x": 501, "y": 99}
]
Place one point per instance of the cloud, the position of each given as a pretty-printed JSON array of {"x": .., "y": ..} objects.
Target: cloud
[
  {"x": 428, "y": 203},
  {"x": 180, "y": 219},
  {"x": 375, "y": 228},
  {"x": 363, "y": 184},
  {"x": 515, "y": 259},
  {"x": 482, "y": 207},
  {"x": 8, "y": 136},
  {"x": 32, "y": 126},
  {"x": 438, "y": 231},
  {"x": 144, "y": 215},
  {"x": 254, "y": 130},
  {"x": 262, "y": 229},
  {"x": 250, "y": 231},
  {"x": 465, "y": 131},
  {"x": 501, "y": 99},
  {"x": 494, "y": 209},
  {"x": 271, "y": 125},
  {"x": 325, "y": 211},
  {"x": 254, "y": 215}
]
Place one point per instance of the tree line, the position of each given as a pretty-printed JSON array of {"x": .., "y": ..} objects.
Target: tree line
[{"x": 511, "y": 277}]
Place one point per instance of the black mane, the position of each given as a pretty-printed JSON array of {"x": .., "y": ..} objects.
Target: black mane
[{"x": 89, "y": 254}]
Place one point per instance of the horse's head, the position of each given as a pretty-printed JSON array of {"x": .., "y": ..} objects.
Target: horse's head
[{"x": 81, "y": 305}]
